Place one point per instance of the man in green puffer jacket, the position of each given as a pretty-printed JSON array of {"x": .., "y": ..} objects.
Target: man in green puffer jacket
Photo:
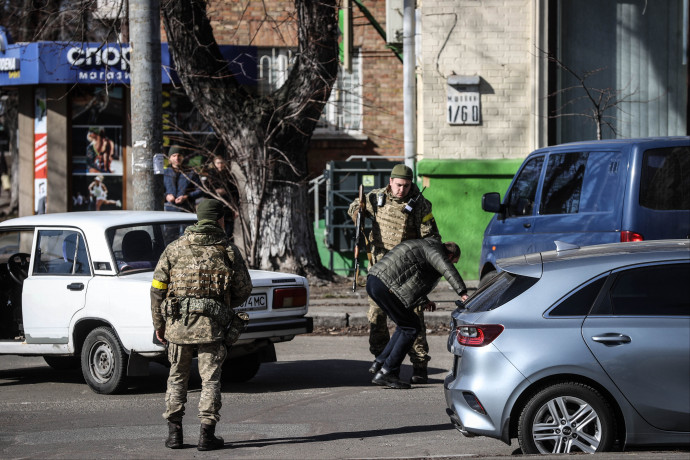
[{"x": 401, "y": 280}]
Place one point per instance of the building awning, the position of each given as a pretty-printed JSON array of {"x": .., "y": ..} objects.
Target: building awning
[{"x": 50, "y": 63}]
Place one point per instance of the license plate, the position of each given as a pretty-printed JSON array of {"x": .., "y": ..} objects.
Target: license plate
[{"x": 253, "y": 303}]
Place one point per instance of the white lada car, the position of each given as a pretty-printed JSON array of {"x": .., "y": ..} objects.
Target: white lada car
[{"x": 74, "y": 288}]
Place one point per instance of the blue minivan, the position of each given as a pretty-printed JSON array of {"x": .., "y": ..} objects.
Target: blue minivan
[{"x": 593, "y": 192}]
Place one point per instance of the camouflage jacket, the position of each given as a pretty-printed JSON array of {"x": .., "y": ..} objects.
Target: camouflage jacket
[
  {"x": 199, "y": 278},
  {"x": 390, "y": 225}
]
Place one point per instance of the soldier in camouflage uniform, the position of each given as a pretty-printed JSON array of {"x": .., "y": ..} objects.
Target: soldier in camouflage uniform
[
  {"x": 198, "y": 280},
  {"x": 392, "y": 223}
]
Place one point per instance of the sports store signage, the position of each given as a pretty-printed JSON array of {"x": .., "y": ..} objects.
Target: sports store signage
[
  {"x": 42, "y": 63},
  {"x": 104, "y": 63}
]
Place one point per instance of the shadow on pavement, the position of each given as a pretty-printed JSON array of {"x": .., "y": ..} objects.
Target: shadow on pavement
[
  {"x": 343, "y": 435},
  {"x": 38, "y": 374},
  {"x": 331, "y": 373},
  {"x": 279, "y": 376}
]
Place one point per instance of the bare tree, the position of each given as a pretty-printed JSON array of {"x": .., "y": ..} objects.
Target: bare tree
[
  {"x": 266, "y": 137},
  {"x": 601, "y": 100}
]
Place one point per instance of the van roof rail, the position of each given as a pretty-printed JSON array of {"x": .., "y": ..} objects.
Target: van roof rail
[{"x": 563, "y": 246}]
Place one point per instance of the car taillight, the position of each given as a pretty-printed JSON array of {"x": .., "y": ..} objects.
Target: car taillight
[
  {"x": 628, "y": 236},
  {"x": 478, "y": 335},
  {"x": 289, "y": 297}
]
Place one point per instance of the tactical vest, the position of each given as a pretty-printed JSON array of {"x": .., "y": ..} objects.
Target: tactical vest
[
  {"x": 202, "y": 273},
  {"x": 392, "y": 225}
]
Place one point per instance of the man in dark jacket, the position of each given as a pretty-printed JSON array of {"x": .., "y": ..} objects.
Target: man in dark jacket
[
  {"x": 181, "y": 191},
  {"x": 198, "y": 280},
  {"x": 401, "y": 280}
]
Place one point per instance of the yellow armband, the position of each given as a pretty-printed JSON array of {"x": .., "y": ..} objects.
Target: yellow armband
[{"x": 159, "y": 285}]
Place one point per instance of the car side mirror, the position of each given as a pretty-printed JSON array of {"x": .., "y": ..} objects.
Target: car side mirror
[{"x": 491, "y": 202}]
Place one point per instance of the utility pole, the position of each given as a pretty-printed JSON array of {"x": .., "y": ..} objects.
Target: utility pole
[
  {"x": 145, "y": 105},
  {"x": 409, "y": 85}
]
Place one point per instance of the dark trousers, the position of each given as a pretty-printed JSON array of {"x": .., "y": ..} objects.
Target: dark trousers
[{"x": 407, "y": 325}]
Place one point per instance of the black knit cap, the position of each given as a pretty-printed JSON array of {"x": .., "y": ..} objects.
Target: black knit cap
[{"x": 209, "y": 209}]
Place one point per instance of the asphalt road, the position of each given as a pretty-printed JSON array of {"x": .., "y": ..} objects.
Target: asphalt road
[{"x": 317, "y": 402}]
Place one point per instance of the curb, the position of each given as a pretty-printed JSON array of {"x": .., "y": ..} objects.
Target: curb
[{"x": 328, "y": 320}]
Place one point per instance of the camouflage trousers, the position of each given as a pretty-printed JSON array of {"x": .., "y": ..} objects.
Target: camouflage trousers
[
  {"x": 210, "y": 357},
  {"x": 379, "y": 335}
]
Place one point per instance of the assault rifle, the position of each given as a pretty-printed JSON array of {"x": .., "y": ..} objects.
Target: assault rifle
[{"x": 359, "y": 230}]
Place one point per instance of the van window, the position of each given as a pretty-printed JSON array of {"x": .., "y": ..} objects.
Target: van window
[
  {"x": 520, "y": 200},
  {"x": 580, "y": 182},
  {"x": 563, "y": 183},
  {"x": 601, "y": 183},
  {"x": 665, "y": 179}
]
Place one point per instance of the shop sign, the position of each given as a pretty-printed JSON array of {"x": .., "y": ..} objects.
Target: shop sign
[
  {"x": 108, "y": 63},
  {"x": 44, "y": 63}
]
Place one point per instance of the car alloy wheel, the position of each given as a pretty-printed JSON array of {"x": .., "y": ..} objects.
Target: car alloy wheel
[{"x": 565, "y": 418}]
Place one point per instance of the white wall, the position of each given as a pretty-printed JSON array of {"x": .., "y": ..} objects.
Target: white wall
[{"x": 492, "y": 39}]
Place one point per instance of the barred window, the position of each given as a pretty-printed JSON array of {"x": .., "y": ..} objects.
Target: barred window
[
  {"x": 274, "y": 66},
  {"x": 343, "y": 112}
]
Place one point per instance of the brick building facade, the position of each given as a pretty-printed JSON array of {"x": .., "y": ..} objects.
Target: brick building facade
[{"x": 375, "y": 89}]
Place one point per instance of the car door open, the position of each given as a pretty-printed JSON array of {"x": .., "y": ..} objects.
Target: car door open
[{"x": 60, "y": 272}]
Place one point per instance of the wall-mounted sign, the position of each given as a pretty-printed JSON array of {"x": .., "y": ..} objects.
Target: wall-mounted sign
[
  {"x": 44, "y": 63},
  {"x": 463, "y": 100}
]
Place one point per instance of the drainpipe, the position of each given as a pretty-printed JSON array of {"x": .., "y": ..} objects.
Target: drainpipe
[{"x": 409, "y": 84}]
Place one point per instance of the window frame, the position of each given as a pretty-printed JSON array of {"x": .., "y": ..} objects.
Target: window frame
[
  {"x": 510, "y": 207},
  {"x": 604, "y": 305},
  {"x": 37, "y": 252}
]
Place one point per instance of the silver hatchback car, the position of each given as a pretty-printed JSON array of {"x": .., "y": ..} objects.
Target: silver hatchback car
[{"x": 577, "y": 350}]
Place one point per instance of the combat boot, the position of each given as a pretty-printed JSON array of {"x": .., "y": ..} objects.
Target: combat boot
[
  {"x": 208, "y": 439},
  {"x": 174, "y": 440},
  {"x": 419, "y": 374}
]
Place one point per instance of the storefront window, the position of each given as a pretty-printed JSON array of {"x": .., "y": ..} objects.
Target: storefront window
[{"x": 97, "y": 151}]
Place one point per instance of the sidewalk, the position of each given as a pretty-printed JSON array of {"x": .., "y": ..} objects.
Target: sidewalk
[{"x": 336, "y": 309}]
